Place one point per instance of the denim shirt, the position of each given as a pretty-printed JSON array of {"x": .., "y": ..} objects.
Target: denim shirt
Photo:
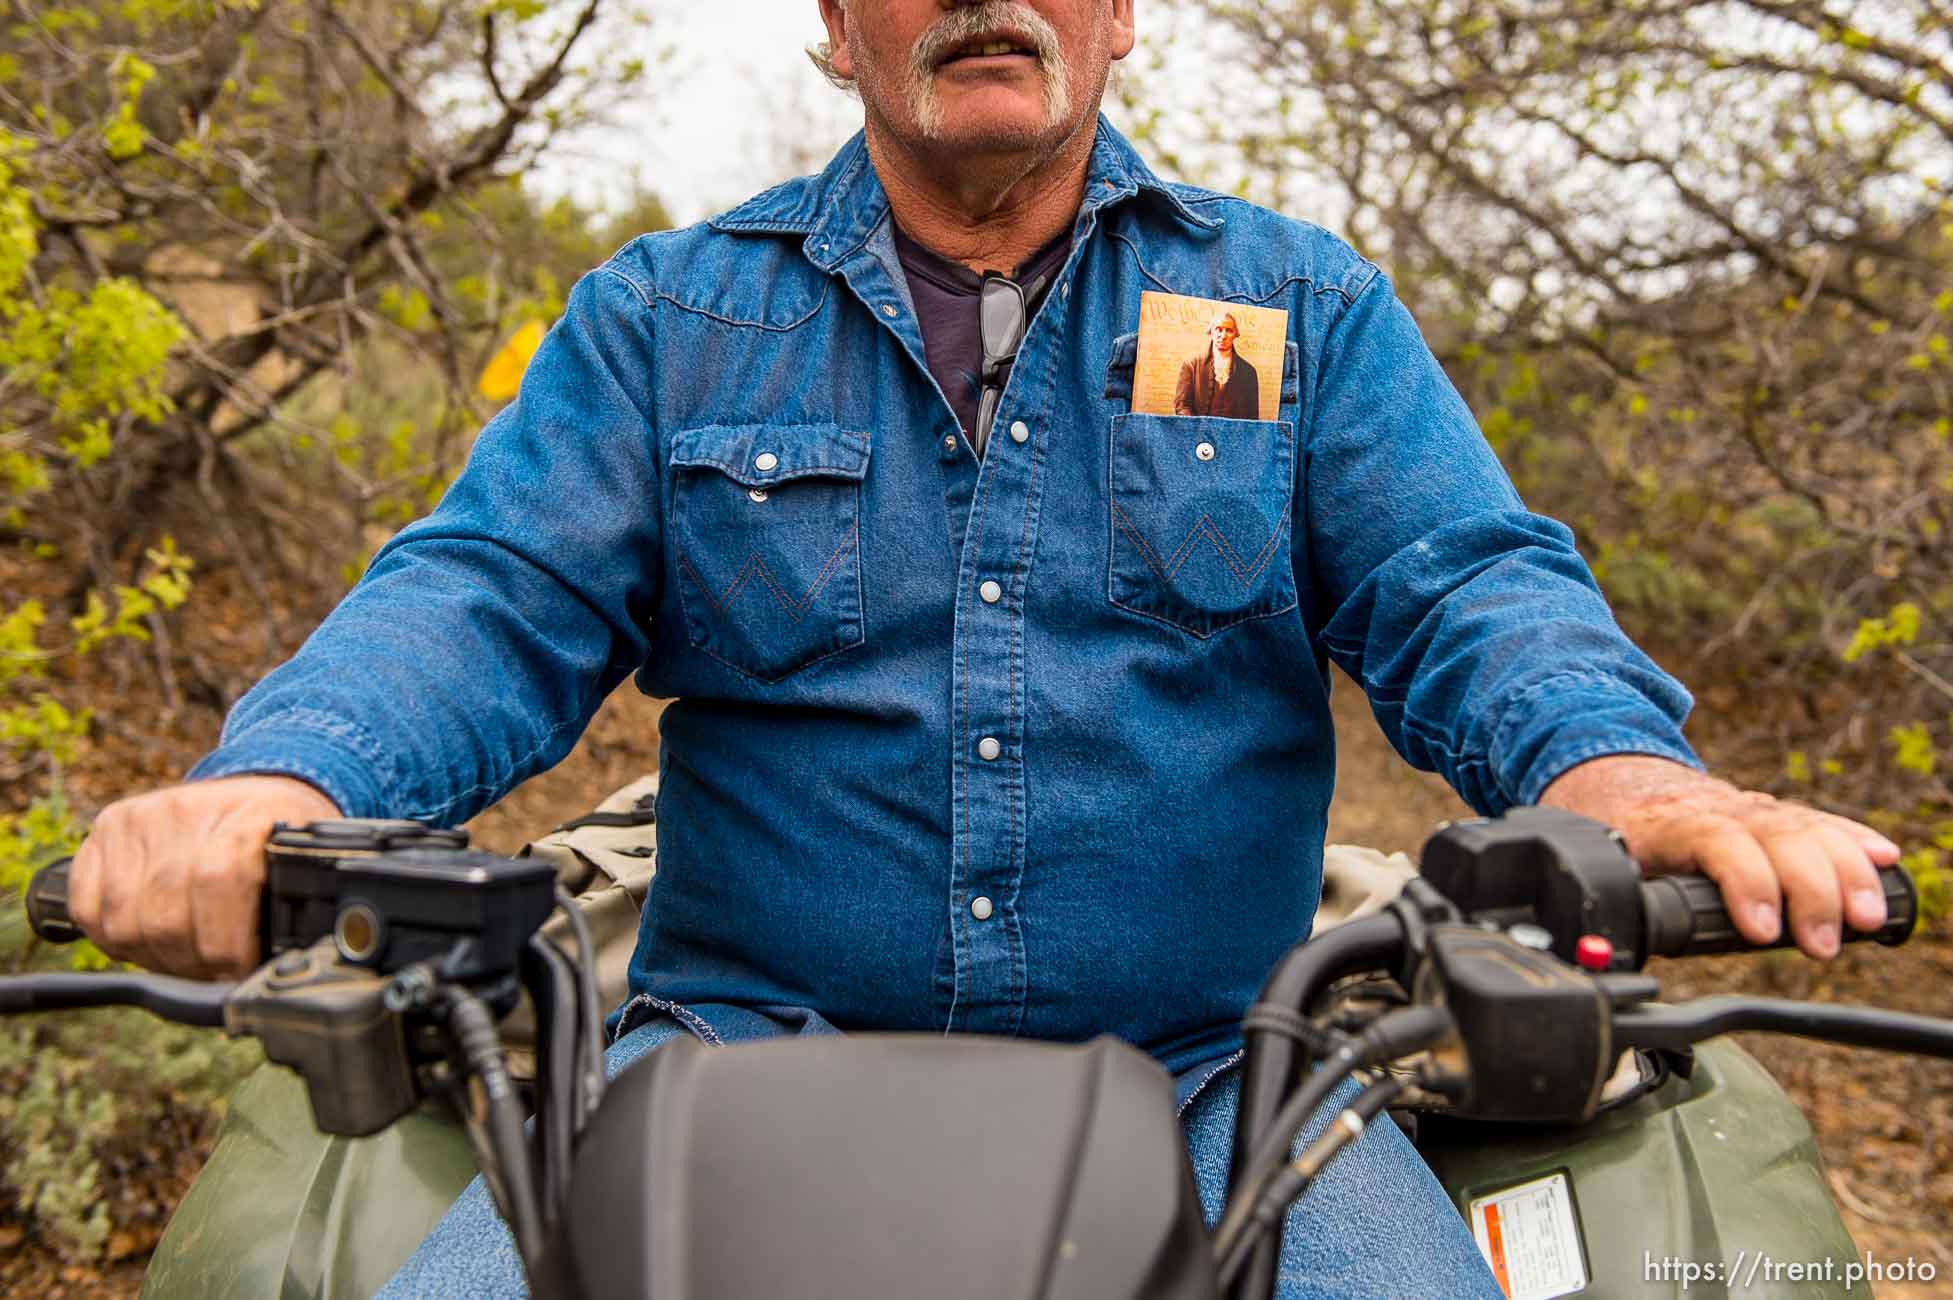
[{"x": 1034, "y": 744}]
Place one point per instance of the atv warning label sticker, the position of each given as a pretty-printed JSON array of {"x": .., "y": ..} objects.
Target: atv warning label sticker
[{"x": 1530, "y": 1238}]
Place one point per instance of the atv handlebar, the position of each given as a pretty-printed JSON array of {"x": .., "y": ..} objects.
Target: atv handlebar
[
  {"x": 1684, "y": 916},
  {"x": 307, "y": 869},
  {"x": 47, "y": 904}
]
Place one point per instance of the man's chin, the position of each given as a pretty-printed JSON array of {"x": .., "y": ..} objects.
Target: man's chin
[
  {"x": 994, "y": 138},
  {"x": 993, "y": 119}
]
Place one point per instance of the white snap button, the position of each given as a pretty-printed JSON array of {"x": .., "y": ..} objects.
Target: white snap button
[
  {"x": 757, "y": 495},
  {"x": 1205, "y": 451},
  {"x": 888, "y": 310},
  {"x": 980, "y": 908},
  {"x": 767, "y": 460},
  {"x": 1019, "y": 431},
  {"x": 991, "y": 593},
  {"x": 949, "y": 443},
  {"x": 989, "y": 748},
  {"x": 1064, "y": 290}
]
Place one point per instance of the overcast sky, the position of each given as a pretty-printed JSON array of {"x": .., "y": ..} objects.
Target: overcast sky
[{"x": 736, "y": 108}]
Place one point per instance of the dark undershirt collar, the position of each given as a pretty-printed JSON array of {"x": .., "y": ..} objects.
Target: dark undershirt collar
[
  {"x": 954, "y": 277},
  {"x": 946, "y": 296}
]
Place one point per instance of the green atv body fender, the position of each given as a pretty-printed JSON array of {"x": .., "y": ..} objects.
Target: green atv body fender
[
  {"x": 1697, "y": 1171},
  {"x": 282, "y": 1209},
  {"x": 1717, "y": 1171}
]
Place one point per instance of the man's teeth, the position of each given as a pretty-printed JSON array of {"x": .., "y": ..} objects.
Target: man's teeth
[{"x": 991, "y": 47}]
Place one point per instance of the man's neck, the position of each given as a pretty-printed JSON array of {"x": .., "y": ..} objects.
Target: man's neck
[{"x": 990, "y": 212}]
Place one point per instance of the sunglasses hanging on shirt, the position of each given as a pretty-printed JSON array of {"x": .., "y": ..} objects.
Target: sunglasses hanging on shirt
[{"x": 1004, "y": 311}]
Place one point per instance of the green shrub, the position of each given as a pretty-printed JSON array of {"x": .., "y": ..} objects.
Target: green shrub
[
  {"x": 73, "y": 1085},
  {"x": 1932, "y": 879},
  {"x": 78, "y": 365}
]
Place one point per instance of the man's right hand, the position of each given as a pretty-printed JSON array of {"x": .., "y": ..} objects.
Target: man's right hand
[{"x": 170, "y": 880}]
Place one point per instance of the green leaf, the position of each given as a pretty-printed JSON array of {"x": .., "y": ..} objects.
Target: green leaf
[
  {"x": 1913, "y": 749},
  {"x": 1898, "y": 628}
]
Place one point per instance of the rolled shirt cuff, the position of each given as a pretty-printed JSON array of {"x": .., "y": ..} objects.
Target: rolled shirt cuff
[
  {"x": 329, "y": 760},
  {"x": 1574, "y": 718}
]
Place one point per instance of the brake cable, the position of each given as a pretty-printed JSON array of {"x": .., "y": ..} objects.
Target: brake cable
[
  {"x": 1396, "y": 1034},
  {"x": 1288, "y": 1181}
]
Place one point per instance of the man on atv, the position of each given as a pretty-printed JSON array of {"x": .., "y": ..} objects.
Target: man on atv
[{"x": 1000, "y": 706}]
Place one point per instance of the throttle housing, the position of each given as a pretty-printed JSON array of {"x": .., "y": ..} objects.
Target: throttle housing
[{"x": 1536, "y": 1034}]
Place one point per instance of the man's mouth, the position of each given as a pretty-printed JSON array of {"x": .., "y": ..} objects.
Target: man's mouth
[{"x": 989, "y": 47}]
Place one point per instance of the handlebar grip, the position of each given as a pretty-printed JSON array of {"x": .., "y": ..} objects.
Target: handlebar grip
[
  {"x": 1684, "y": 916},
  {"x": 47, "y": 904}
]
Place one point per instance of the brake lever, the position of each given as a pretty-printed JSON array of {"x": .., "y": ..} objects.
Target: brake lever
[{"x": 1676, "y": 1027}]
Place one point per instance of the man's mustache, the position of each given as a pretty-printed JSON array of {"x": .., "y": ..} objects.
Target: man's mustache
[{"x": 960, "y": 26}]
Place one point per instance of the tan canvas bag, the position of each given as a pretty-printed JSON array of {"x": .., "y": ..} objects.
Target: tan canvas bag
[{"x": 606, "y": 859}]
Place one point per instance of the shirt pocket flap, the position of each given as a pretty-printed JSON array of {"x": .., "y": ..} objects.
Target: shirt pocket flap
[{"x": 760, "y": 455}]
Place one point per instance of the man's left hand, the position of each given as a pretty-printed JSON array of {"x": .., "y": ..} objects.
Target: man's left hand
[{"x": 1764, "y": 852}]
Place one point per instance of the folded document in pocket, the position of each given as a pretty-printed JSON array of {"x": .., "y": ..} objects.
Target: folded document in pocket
[{"x": 1201, "y": 356}]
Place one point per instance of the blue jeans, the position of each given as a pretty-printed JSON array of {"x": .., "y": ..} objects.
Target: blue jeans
[{"x": 1376, "y": 1224}]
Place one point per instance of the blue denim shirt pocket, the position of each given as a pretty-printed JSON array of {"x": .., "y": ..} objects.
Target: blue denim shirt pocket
[
  {"x": 766, "y": 521},
  {"x": 1198, "y": 510}
]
